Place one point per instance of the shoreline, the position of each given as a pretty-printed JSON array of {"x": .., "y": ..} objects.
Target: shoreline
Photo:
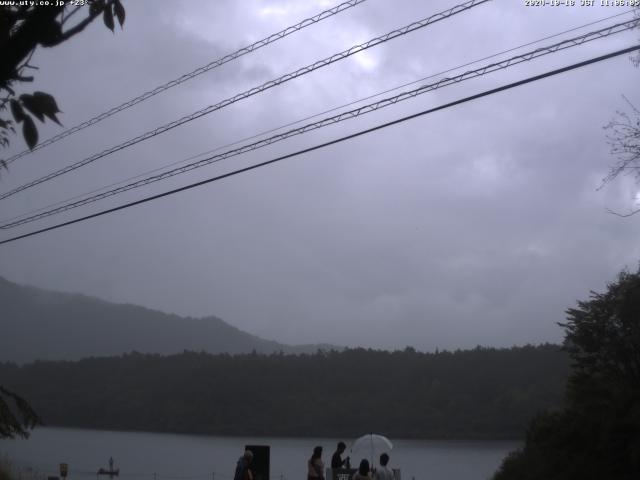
[{"x": 451, "y": 438}]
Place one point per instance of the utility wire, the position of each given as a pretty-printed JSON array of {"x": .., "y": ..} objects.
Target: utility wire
[
  {"x": 275, "y": 129},
  {"x": 198, "y": 71},
  {"x": 572, "y": 42},
  {"x": 255, "y": 90},
  {"x": 332, "y": 142}
]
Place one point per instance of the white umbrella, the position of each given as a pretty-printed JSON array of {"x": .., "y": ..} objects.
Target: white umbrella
[{"x": 373, "y": 444}]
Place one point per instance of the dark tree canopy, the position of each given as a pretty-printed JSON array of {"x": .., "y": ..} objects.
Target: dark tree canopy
[
  {"x": 16, "y": 415},
  {"x": 597, "y": 435},
  {"x": 603, "y": 335},
  {"x": 23, "y": 28},
  {"x": 479, "y": 393}
]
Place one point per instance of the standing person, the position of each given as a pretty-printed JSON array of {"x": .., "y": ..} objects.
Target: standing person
[
  {"x": 336, "y": 459},
  {"x": 383, "y": 472},
  {"x": 243, "y": 472},
  {"x": 316, "y": 465},
  {"x": 363, "y": 472}
]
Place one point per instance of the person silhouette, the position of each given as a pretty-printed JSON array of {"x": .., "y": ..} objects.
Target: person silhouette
[
  {"x": 243, "y": 472},
  {"x": 315, "y": 465},
  {"x": 383, "y": 472},
  {"x": 336, "y": 459}
]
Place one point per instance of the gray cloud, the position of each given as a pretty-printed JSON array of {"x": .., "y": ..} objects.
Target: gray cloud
[{"x": 475, "y": 225}]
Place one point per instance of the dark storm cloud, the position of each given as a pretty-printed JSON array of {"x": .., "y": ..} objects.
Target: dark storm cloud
[{"x": 475, "y": 225}]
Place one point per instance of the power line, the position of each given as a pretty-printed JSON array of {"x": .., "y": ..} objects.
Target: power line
[
  {"x": 255, "y": 90},
  {"x": 343, "y": 116},
  {"x": 332, "y": 142},
  {"x": 198, "y": 71},
  {"x": 275, "y": 129},
  {"x": 542, "y": 51}
]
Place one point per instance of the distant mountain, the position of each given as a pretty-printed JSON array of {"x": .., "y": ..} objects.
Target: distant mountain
[{"x": 38, "y": 324}]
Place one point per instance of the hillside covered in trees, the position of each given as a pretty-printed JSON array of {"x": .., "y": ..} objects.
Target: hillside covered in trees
[
  {"x": 478, "y": 393},
  {"x": 40, "y": 324}
]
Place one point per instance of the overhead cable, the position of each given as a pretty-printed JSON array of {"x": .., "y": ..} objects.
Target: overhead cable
[
  {"x": 331, "y": 142},
  {"x": 515, "y": 60},
  {"x": 295, "y": 122},
  {"x": 255, "y": 90},
  {"x": 188, "y": 76}
]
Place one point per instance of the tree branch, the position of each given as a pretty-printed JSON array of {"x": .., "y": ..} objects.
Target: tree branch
[
  {"x": 36, "y": 25},
  {"x": 65, "y": 18},
  {"x": 77, "y": 28}
]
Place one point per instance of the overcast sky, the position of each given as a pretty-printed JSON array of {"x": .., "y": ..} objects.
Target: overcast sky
[{"x": 479, "y": 224}]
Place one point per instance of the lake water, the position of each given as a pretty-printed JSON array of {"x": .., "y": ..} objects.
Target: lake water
[{"x": 156, "y": 456}]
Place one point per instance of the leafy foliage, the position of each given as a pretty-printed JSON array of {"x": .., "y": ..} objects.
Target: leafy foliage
[
  {"x": 39, "y": 104},
  {"x": 597, "y": 435},
  {"x": 16, "y": 415},
  {"x": 480, "y": 393},
  {"x": 22, "y": 29}
]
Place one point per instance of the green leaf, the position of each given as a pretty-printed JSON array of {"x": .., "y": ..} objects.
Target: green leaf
[
  {"x": 107, "y": 16},
  {"x": 118, "y": 9},
  {"x": 16, "y": 110},
  {"x": 30, "y": 132}
]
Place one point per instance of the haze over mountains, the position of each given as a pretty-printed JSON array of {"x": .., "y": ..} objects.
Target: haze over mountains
[{"x": 38, "y": 324}]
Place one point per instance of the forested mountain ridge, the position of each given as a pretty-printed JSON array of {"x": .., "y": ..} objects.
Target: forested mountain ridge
[
  {"x": 478, "y": 393},
  {"x": 38, "y": 324}
]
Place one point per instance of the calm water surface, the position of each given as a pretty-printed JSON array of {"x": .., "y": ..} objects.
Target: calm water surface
[{"x": 156, "y": 456}]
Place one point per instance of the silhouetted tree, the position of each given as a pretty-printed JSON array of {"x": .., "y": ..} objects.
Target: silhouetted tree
[
  {"x": 22, "y": 29},
  {"x": 603, "y": 336},
  {"x": 597, "y": 435},
  {"x": 16, "y": 415},
  {"x": 624, "y": 140},
  {"x": 484, "y": 392}
]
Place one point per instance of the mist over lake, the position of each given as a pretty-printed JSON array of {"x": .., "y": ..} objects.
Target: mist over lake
[{"x": 200, "y": 457}]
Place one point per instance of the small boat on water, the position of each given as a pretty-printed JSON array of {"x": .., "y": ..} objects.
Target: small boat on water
[{"x": 112, "y": 473}]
